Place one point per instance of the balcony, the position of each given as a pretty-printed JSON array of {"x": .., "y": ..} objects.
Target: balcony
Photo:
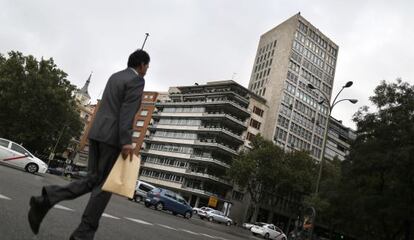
[
  {"x": 208, "y": 176},
  {"x": 211, "y": 93},
  {"x": 228, "y": 116},
  {"x": 207, "y": 103},
  {"x": 223, "y": 130},
  {"x": 165, "y": 154},
  {"x": 166, "y": 168},
  {"x": 170, "y": 140},
  {"x": 217, "y": 145},
  {"x": 210, "y": 160},
  {"x": 198, "y": 191},
  {"x": 162, "y": 183}
]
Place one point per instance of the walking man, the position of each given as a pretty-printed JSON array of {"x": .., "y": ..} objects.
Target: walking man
[{"x": 110, "y": 135}]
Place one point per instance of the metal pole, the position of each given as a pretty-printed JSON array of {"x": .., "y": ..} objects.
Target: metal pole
[
  {"x": 145, "y": 40},
  {"x": 325, "y": 136},
  {"x": 57, "y": 142}
]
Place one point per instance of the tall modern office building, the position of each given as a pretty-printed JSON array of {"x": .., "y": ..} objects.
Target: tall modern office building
[{"x": 289, "y": 57}]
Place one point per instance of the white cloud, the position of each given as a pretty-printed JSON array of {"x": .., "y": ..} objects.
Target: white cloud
[{"x": 198, "y": 41}]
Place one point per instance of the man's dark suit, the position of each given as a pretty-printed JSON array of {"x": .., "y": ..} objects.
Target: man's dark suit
[{"x": 111, "y": 129}]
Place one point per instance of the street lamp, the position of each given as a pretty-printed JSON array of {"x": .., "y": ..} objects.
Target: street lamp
[
  {"x": 335, "y": 101},
  {"x": 52, "y": 154}
]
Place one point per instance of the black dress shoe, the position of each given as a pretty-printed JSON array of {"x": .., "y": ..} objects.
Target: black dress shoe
[{"x": 39, "y": 206}]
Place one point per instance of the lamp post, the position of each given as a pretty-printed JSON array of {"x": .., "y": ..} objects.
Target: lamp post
[
  {"x": 335, "y": 101},
  {"x": 52, "y": 154}
]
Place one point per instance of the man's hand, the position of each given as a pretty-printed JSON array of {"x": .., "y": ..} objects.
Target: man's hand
[{"x": 127, "y": 150}]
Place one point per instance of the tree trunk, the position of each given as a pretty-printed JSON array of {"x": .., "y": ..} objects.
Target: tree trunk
[
  {"x": 253, "y": 219},
  {"x": 408, "y": 235}
]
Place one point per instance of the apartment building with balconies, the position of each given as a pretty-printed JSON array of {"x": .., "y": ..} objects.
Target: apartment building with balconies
[{"x": 194, "y": 137}]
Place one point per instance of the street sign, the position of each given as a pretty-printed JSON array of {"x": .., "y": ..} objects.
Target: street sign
[
  {"x": 51, "y": 156},
  {"x": 212, "y": 201}
]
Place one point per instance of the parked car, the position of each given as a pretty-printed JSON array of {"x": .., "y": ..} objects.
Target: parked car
[
  {"x": 248, "y": 226},
  {"x": 14, "y": 154},
  {"x": 217, "y": 216},
  {"x": 202, "y": 213},
  {"x": 141, "y": 190},
  {"x": 163, "y": 199},
  {"x": 56, "y": 171},
  {"x": 268, "y": 231},
  {"x": 197, "y": 210}
]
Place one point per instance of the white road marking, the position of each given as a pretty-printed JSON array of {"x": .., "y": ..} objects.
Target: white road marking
[
  {"x": 188, "y": 231},
  {"x": 4, "y": 197},
  {"x": 165, "y": 226},
  {"x": 138, "y": 221},
  {"x": 57, "y": 206},
  {"x": 209, "y": 236},
  {"x": 110, "y": 216}
]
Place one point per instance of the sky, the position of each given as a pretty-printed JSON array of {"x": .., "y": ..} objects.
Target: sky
[{"x": 198, "y": 41}]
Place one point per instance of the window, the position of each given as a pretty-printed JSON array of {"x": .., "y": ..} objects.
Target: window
[
  {"x": 136, "y": 134},
  {"x": 144, "y": 112},
  {"x": 250, "y": 136},
  {"x": 140, "y": 123},
  {"x": 19, "y": 149},
  {"x": 258, "y": 111},
  {"x": 4, "y": 143},
  {"x": 145, "y": 188},
  {"x": 255, "y": 123},
  {"x": 238, "y": 196}
]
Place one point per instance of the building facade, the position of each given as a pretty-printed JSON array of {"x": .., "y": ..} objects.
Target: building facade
[
  {"x": 339, "y": 140},
  {"x": 193, "y": 139},
  {"x": 290, "y": 56}
]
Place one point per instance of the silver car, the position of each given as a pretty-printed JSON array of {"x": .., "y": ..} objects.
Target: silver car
[{"x": 217, "y": 216}]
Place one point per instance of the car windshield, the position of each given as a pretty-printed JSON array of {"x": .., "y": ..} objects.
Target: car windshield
[{"x": 260, "y": 224}]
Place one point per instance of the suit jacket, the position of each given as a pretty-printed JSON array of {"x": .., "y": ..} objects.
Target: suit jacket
[{"x": 120, "y": 102}]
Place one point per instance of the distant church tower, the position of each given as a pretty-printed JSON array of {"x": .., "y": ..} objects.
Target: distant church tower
[{"x": 82, "y": 94}]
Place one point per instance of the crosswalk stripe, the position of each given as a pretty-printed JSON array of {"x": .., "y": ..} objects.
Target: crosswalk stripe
[
  {"x": 208, "y": 235},
  {"x": 110, "y": 216},
  {"x": 57, "y": 206},
  {"x": 188, "y": 231},
  {"x": 139, "y": 221},
  {"x": 4, "y": 197},
  {"x": 165, "y": 226}
]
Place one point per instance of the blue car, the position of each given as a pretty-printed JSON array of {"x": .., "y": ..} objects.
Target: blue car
[{"x": 163, "y": 199}]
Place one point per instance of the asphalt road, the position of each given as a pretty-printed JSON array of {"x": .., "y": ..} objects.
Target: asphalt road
[{"x": 122, "y": 219}]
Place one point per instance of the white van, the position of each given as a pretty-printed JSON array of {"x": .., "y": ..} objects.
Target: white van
[{"x": 141, "y": 190}]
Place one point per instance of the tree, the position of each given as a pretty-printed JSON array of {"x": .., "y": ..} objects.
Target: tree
[
  {"x": 377, "y": 187},
  {"x": 268, "y": 173},
  {"x": 36, "y": 102}
]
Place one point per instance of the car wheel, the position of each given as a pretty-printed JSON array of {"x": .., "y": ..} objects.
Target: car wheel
[
  {"x": 159, "y": 206},
  {"x": 266, "y": 236},
  {"x": 202, "y": 218},
  {"x": 174, "y": 213},
  {"x": 210, "y": 219},
  {"x": 147, "y": 205},
  {"x": 138, "y": 198},
  {"x": 32, "y": 168},
  {"x": 187, "y": 215},
  {"x": 228, "y": 223}
]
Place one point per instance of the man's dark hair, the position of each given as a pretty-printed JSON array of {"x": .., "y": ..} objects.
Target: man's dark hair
[{"x": 137, "y": 58}]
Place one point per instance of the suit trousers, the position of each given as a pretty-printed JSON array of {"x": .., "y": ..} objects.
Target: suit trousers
[{"x": 102, "y": 157}]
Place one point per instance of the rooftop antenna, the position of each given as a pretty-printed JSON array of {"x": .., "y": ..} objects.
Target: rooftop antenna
[{"x": 145, "y": 40}]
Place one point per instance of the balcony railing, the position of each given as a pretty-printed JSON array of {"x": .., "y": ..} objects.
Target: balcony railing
[
  {"x": 210, "y": 159},
  {"x": 218, "y": 102},
  {"x": 207, "y": 176},
  {"x": 219, "y": 129},
  {"x": 216, "y": 144}
]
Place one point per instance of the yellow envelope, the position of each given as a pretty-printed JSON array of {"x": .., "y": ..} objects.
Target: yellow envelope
[{"x": 123, "y": 176}]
